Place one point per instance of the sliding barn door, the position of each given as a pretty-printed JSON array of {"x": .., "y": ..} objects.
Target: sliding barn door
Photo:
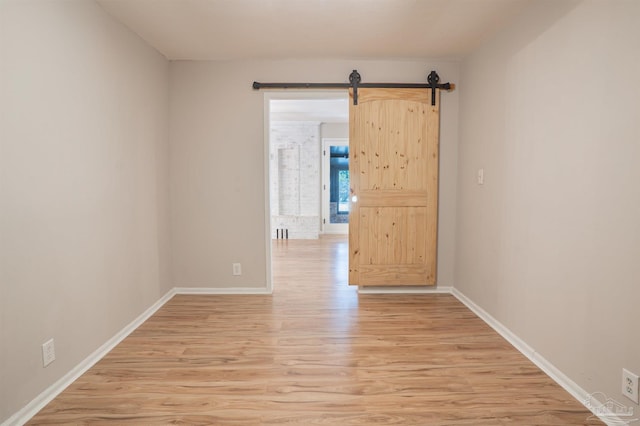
[{"x": 393, "y": 169}]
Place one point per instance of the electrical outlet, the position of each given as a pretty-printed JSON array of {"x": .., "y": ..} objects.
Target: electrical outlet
[
  {"x": 237, "y": 269},
  {"x": 48, "y": 352},
  {"x": 630, "y": 385},
  {"x": 480, "y": 177}
]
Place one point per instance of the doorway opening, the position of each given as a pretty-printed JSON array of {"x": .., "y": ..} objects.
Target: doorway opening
[
  {"x": 335, "y": 186},
  {"x": 298, "y": 126}
]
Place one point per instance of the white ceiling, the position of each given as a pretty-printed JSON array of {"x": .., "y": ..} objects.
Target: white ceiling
[
  {"x": 278, "y": 29},
  {"x": 321, "y": 110}
]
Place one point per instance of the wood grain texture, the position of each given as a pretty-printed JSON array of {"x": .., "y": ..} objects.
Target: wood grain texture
[
  {"x": 393, "y": 141},
  {"x": 314, "y": 353}
]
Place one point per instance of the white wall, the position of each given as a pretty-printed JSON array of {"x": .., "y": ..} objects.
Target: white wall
[
  {"x": 334, "y": 130},
  {"x": 218, "y": 163},
  {"x": 550, "y": 244},
  {"x": 294, "y": 167},
  {"x": 83, "y": 187}
]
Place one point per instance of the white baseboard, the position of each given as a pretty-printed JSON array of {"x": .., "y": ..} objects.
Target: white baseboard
[
  {"x": 31, "y": 409},
  {"x": 38, "y": 403},
  {"x": 404, "y": 290},
  {"x": 552, "y": 371}
]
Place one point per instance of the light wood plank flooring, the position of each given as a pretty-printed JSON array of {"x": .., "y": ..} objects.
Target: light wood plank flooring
[{"x": 314, "y": 353}]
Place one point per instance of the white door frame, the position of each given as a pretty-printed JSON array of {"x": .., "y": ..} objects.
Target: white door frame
[{"x": 327, "y": 226}]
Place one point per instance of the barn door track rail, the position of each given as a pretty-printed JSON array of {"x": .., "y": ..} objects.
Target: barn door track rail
[{"x": 355, "y": 82}]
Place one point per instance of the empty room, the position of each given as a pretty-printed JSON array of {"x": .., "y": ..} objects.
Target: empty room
[{"x": 336, "y": 212}]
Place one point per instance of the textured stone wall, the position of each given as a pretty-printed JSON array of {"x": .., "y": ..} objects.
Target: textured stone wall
[{"x": 294, "y": 163}]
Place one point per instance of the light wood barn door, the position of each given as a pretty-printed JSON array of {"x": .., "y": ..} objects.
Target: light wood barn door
[{"x": 393, "y": 145}]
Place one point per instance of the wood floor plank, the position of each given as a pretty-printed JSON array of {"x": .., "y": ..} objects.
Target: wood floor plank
[{"x": 314, "y": 353}]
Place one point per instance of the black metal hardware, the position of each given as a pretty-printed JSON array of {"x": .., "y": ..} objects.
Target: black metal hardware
[
  {"x": 282, "y": 233},
  {"x": 433, "y": 80},
  {"x": 355, "y": 82},
  {"x": 355, "y": 79}
]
